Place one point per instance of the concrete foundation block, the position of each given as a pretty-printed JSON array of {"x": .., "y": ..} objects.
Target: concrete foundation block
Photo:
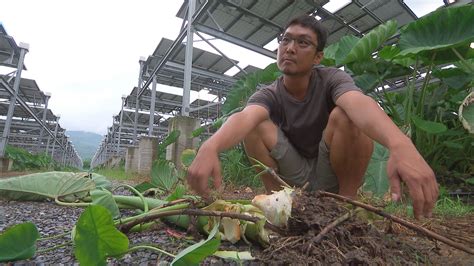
[
  {"x": 186, "y": 125},
  {"x": 5, "y": 164},
  {"x": 147, "y": 150},
  {"x": 131, "y": 159}
]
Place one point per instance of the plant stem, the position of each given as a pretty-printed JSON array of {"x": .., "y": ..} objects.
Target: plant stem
[
  {"x": 134, "y": 190},
  {"x": 467, "y": 64},
  {"x": 152, "y": 212},
  {"x": 53, "y": 248},
  {"x": 396, "y": 219},
  {"x": 269, "y": 170},
  {"x": 421, "y": 102},
  {"x": 132, "y": 249},
  {"x": 198, "y": 212},
  {"x": 72, "y": 204}
]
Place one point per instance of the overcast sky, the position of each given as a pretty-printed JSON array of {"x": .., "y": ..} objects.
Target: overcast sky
[{"x": 85, "y": 53}]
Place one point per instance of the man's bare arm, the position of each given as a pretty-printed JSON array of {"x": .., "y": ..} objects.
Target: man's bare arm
[
  {"x": 232, "y": 132},
  {"x": 405, "y": 163}
]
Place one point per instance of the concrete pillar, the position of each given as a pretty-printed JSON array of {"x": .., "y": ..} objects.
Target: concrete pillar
[
  {"x": 147, "y": 150},
  {"x": 131, "y": 159},
  {"x": 5, "y": 164},
  {"x": 185, "y": 125}
]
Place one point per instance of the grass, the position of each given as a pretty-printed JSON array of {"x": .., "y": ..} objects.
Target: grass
[
  {"x": 114, "y": 173},
  {"x": 445, "y": 206}
]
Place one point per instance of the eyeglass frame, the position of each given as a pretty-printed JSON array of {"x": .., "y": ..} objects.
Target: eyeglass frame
[{"x": 297, "y": 40}]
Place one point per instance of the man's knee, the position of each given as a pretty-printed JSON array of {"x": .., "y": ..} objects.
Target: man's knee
[{"x": 265, "y": 133}]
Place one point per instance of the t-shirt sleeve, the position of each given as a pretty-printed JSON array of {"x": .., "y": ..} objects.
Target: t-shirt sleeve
[
  {"x": 263, "y": 97},
  {"x": 341, "y": 83}
]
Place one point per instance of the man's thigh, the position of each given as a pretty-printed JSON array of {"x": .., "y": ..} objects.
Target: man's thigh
[{"x": 297, "y": 170}]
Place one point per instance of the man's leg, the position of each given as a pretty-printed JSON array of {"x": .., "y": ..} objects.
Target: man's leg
[
  {"x": 350, "y": 151},
  {"x": 258, "y": 144}
]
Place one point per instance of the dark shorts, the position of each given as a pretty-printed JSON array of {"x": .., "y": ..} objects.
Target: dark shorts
[{"x": 296, "y": 170}]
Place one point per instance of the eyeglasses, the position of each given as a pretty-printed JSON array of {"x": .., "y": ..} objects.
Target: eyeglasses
[{"x": 285, "y": 40}]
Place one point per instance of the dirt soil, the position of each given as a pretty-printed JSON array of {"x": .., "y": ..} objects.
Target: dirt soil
[
  {"x": 355, "y": 241},
  {"x": 358, "y": 240}
]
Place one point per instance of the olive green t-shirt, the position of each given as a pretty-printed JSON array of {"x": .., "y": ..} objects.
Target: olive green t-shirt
[{"x": 303, "y": 121}]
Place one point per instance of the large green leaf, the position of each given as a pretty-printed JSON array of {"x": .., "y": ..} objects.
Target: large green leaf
[
  {"x": 368, "y": 44},
  {"x": 168, "y": 140},
  {"x": 40, "y": 186},
  {"x": 97, "y": 238},
  {"x": 18, "y": 242},
  {"x": 443, "y": 28},
  {"x": 101, "y": 181},
  {"x": 345, "y": 45},
  {"x": 376, "y": 179},
  {"x": 194, "y": 254},
  {"x": 428, "y": 126},
  {"x": 105, "y": 199},
  {"x": 330, "y": 55},
  {"x": 466, "y": 113},
  {"x": 164, "y": 175},
  {"x": 453, "y": 77}
]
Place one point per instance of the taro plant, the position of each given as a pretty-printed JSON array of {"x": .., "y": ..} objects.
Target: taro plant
[{"x": 419, "y": 79}]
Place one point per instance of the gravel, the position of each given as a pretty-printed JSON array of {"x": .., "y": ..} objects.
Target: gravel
[{"x": 52, "y": 219}]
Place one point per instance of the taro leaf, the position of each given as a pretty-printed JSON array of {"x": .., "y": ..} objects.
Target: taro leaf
[
  {"x": 376, "y": 179},
  {"x": 97, "y": 238},
  {"x": 144, "y": 186},
  {"x": 196, "y": 253},
  {"x": 269, "y": 73},
  {"x": 40, "y": 186},
  {"x": 101, "y": 181},
  {"x": 330, "y": 55},
  {"x": 470, "y": 181},
  {"x": 453, "y": 77},
  {"x": 443, "y": 28},
  {"x": 170, "y": 139},
  {"x": 178, "y": 193},
  {"x": 346, "y": 44},
  {"x": 466, "y": 113},
  {"x": 367, "y": 82},
  {"x": 18, "y": 242},
  {"x": 163, "y": 175},
  {"x": 428, "y": 126},
  {"x": 187, "y": 157},
  {"x": 368, "y": 44},
  {"x": 105, "y": 199}
]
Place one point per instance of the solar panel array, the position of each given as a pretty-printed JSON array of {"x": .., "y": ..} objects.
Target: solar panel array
[
  {"x": 251, "y": 24},
  {"x": 31, "y": 125}
]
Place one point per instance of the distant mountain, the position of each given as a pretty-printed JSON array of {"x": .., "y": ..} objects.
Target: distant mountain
[{"x": 85, "y": 143}]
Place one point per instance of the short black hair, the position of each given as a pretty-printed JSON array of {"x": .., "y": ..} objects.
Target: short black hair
[{"x": 312, "y": 23}]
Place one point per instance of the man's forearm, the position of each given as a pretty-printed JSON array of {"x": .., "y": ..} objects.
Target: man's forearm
[{"x": 372, "y": 120}]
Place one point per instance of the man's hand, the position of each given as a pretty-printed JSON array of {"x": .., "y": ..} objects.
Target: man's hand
[
  {"x": 205, "y": 164},
  {"x": 407, "y": 165}
]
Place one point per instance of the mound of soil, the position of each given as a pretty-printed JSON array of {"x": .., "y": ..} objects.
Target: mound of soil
[{"x": 353, "y": 241}]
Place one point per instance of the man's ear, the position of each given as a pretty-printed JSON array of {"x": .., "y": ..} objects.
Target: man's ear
[{"x": 318, "y": 57}]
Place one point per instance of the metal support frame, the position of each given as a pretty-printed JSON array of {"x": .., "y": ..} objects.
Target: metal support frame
[
  {"x": 45, "y": 112},
  {"x": 137, "y": 103},
  {"x": 188, "y": 60},
  {"x": 16, "y": 86},
  {"x": 152, "y": 107}
]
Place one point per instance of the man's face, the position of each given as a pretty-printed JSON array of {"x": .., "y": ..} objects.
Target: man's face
[{"x": 297, "y": 51}]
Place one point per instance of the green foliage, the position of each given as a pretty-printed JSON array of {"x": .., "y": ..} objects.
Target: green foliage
[
  {"x": 196, "y": 253},
  {"x": 54, "y": 185},
  {"x": 247, "y": 85},
  {"x": 164, "y": 175},
  {"x": 18, "y": 242},
  {"x": 448, "y": 207},
  {"x": 96, "y": 237},
  {"x": 426, "y": 108},
  {"x": 171, "y": 138},
  {"x": 104, "y": 198},
  {"x": 114, "y": 173},
  {"x": 237, "y": 169},
  {"x": 24, "y": 160},
  {"x": 376, "y": 179}
]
